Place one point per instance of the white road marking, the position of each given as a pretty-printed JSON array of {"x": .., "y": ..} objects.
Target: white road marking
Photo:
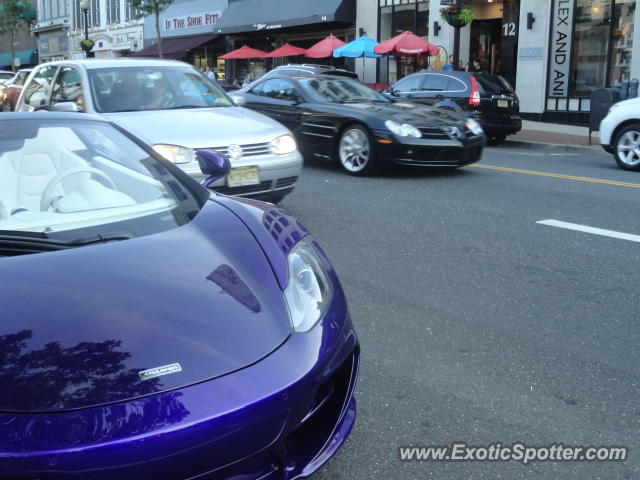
[{"x": 594, "y": 231}]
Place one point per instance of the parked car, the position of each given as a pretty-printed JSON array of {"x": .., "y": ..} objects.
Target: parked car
[
  {"x": 175, "y": 334},
  {"x": 341, "y": 119},
  {"x": 308, "y": 69},
  {"x": 620, "y": 133},
  {"x": 5, "y": 75},
  {"x": 10, "y": 90},
  {"x": 175, "y": 109},
  {"x": 488, "y": 99}
]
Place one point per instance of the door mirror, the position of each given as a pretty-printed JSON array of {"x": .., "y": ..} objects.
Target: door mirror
[
  {"x": 214, "y": 165},
  {"x": 65, "y": 107},
  {"x": 238, "y": 100}
]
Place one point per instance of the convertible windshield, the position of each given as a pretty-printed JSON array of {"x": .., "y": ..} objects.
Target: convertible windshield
[
  {"x": 342, "y": 90},
  {"x": 130, "y": 89},
  {"x": 76, "y": 179}
]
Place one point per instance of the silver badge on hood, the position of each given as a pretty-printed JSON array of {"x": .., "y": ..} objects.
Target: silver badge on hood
[{"x": 159, "y": 371}]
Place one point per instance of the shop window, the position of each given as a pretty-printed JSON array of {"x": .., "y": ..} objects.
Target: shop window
[
  {"x": 404, "y": 19},
  {"x": 622, "y": 41},
  {"x": 396, "y": 17},
  {"x": 422, "y": 20},
  {"x": 590, "y": 46}
]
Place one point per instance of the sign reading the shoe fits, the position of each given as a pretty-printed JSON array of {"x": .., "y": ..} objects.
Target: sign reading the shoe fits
[
  {"x": 560, "y": 64},
  {"x": 192, "y": 21}
]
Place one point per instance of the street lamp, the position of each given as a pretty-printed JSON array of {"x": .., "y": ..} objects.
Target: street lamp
[{"x": 85, "y": 6}]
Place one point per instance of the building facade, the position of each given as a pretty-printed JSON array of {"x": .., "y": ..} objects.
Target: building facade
[
  {"x": 555, "y": 52},
  {"x": 112, "y": 24},
  {"x": 187, "y": 31}
]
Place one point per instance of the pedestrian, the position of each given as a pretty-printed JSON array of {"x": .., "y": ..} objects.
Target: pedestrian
[
  {"x": 449, "y": 64},
  {"x": 211, "y": 75},
  {"x": 476, "y": 67}
]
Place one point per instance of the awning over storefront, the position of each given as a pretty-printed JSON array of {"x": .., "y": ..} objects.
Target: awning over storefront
[
  {"x": 27, "y": 57},
  {"x": 256, "y": 15},
  {"x": 174, "y": 47}
]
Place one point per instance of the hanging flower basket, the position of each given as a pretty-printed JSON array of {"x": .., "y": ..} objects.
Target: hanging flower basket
[
  {"x": 457, "y": 17},
  {"x": 87, "y": 45}
]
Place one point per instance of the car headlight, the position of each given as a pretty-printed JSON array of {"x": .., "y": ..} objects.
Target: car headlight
[
  {"x": 404, "y": 130},
  {"x": 176, "y": 154},
  {"x": 474, "y": 127},
  {"x": 310, "y": 290},
  {"x": 283, "y": 145}
]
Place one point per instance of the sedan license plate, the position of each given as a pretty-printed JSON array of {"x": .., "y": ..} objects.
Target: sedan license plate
[
  {"x": 243, "y": 176},
  {"x": 503, "y": 103}
]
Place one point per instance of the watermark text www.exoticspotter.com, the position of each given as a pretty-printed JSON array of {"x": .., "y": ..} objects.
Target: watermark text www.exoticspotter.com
[{"x": 516, "y": 452}]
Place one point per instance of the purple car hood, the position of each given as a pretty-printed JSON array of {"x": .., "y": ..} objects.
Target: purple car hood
[{"x": 107, "y": 323}]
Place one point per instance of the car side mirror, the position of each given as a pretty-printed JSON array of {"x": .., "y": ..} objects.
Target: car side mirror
[
  {"x": 239, "y": 101},
  {"x": 214, "y": 165},
  {"x": 65, "y": 107}
]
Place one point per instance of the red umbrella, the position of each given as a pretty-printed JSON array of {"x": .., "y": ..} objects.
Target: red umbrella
[
  {"x": 406, "y": 44},
  {"x": 243, "y": 53},
  {"x": 325, "y": 48},
  {"x": 287, "y": 50}
]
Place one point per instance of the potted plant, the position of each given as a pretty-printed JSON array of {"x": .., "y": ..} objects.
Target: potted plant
[
  {"x": 457, "y": 17},
  {"x": 87, "y": 44}
]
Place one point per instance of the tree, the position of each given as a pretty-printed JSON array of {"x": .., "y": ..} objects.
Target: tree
[
  {"x": 153, "y": 7},
  {"x": 14, "y": 16}
]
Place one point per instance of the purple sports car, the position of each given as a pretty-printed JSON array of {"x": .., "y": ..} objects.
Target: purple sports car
[{"x": 151, "y": 329}]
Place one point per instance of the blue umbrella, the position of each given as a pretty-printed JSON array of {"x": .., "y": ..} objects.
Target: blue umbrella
[{"x": 360, "y": 47}]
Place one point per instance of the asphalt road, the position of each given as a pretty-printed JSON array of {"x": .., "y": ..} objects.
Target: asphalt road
[{"x": 476, "y": 323}]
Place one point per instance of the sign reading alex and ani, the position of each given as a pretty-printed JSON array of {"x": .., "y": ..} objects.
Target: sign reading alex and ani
[
  {"x": 560, "y": 67},
  {"x": 192, "y": 21}
]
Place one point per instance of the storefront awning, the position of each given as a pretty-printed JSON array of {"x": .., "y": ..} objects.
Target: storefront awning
[
  {"x": 174, "y": 47},
  {"x": 256, "y": 15},
  {"x": 27, "y": 57}
]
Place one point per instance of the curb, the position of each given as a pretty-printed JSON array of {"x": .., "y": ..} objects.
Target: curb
[{"x": 586, "y": 149}]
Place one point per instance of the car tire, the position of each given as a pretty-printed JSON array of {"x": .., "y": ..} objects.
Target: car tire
[
  {"x": 626, "y": 147},
  {"x": 355, "y": 150},
  {"x": 497, "y": 140}
]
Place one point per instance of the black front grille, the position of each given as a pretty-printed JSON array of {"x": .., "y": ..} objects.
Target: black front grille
[
  {"x": 460, "y": 155},
  {"x": 286, "y": 182},
  {"x": 244, "y": 189},
  {"x": 433, "y": 133},
  {"x": 248, "y": 150}
]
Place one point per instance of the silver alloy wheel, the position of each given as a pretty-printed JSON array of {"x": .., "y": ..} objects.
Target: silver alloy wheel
[
  {"x": 628, "y": 148},
  {"x": 354, "y": 150}
]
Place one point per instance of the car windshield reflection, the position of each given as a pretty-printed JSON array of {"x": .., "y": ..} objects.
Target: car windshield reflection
[
  {"x": 133, "y": 89},
  {"x": 343, "y": 90}
]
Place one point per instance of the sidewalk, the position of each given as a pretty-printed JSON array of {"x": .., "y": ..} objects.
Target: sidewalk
[{"x": 555, "y": 135}]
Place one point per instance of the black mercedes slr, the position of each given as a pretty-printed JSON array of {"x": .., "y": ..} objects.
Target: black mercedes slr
[{"x": 341, "y": 119}]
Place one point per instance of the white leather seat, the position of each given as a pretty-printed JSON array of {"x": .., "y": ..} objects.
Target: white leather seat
[{"x": 25, "y": 173}]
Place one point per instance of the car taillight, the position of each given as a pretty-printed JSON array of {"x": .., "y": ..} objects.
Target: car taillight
[{"x": 474, "y": 98}]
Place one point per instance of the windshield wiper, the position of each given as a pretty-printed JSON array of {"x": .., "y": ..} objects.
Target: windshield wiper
[
  {"x": 20, "y": 243},
  {"x": 182, "y": 107}
]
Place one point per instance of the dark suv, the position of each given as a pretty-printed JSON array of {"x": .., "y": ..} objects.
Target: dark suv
[{"x": 489, "y": 99}]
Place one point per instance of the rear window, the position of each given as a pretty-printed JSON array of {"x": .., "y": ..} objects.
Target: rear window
[{"x": 493, "y": 83}]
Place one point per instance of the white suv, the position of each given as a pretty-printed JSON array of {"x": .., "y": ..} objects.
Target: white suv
[{"x": 620, "y": 133}]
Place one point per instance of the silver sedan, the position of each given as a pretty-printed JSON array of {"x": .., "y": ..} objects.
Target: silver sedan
[{"x": 175, "y": 109}]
